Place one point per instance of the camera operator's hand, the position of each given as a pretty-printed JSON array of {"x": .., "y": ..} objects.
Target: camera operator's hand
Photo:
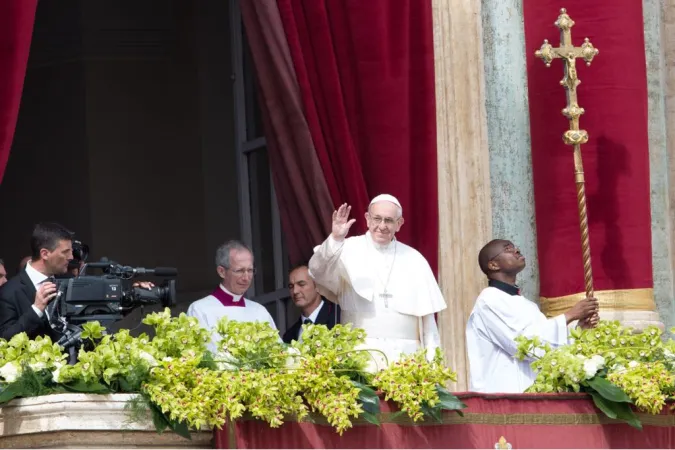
[
  {"x": 144, "y": 284},
  {"x": 45, "y": 292}
]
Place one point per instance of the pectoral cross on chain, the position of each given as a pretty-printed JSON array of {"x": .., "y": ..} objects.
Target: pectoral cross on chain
[{"x": 386, "y": 296}]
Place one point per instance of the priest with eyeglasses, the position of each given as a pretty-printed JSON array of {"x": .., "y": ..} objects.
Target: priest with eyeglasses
[
  {"x": 381, "y": 284},
  {"x": 234, "y": 264}
]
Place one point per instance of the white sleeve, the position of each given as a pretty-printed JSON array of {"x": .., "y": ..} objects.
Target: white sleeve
[
  {"x": 503, "y": 324},
  {"x": 324, "y": 266},
  {"x": 431, "y": 339}
]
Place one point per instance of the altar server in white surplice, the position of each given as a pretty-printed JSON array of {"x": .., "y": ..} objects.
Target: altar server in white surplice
[
  {"x": 234, "y": 264},
  {"x": 501, "y": 314},
  {"x": 381, "y": 284}
]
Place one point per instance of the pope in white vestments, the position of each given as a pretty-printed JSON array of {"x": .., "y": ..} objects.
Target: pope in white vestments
[
  {"x": 234, "y": 263},
  {"x": 382, "y": 285},
  {"x": 501, "y": 314}
]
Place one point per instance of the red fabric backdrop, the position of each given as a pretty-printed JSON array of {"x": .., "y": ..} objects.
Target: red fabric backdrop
[
  {"x": 366, "y": 74},
  {"x": 613, "y": 92},
  {"x": 16, "y": 30},
  {"x": 524, "y": 420}
]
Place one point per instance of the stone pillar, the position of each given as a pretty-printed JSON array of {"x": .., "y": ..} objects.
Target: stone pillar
[
  {"x": 463, "y": 169},
  {"x": 665, "y": 301},
  {"x": 508, "y": 123},
  {"x": 657, "y": 45}
]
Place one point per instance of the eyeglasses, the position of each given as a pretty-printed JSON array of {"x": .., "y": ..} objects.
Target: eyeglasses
[
  {"x": 388, "y": 221},
  {"x": 242, "y": 272},
  {"x": 507, "y": 249}
]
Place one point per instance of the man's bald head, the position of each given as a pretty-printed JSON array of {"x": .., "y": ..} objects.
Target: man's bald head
[{"x": 500, "y": 255}]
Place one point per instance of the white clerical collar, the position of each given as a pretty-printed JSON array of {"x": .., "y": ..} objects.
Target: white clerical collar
[
  {"x": 235, "y": 297},
  {"x": 314, "y": 314},
  {"x": 35, "y": 276},
  {"x": 380, "y": 247}
]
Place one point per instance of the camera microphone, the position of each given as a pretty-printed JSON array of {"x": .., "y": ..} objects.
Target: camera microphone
[{"x": 157, "y": 271}]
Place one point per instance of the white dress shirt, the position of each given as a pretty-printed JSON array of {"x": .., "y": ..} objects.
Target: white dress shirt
[{"x": 37, "y": 278}]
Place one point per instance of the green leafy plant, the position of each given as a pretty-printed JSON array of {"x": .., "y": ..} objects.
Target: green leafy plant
[
  {"x": 417, "y": 385},
  {"x": 615, "y": 365}
]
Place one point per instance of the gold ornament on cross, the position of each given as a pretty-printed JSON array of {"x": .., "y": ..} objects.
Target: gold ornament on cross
[{"x": 574, "y": 136}]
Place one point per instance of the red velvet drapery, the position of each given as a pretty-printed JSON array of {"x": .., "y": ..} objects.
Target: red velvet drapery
[
  {"x": 613, "y": 92},
  {"x": 16, "y": 30},
  {"x": 366, "y": 74}
]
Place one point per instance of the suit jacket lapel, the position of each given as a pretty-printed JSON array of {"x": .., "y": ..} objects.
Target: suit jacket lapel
[{"x": 28, "y": 286}]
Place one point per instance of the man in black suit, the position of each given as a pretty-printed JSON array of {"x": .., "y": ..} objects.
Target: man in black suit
[
  {"x": 23, "y": 298},
  {"x": 313, "y": 308}
]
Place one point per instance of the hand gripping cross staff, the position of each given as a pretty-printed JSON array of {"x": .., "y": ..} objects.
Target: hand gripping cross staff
[{"x": 574, "y": 136}]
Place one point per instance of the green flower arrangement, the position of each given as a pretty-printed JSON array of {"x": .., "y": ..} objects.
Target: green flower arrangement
[
  {"x": 253, "y": 372},
  {"x": 612, "y": 363}
]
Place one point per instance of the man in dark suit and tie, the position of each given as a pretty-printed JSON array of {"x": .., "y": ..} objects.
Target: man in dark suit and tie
[
  {"x": 23, "y": 298},
  {"x": 313, "y": 308}
]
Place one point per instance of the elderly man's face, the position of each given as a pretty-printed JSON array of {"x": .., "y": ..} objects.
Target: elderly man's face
[
  {"x": 237, "y": 279},
  {"x": 3, "y": 275},
  {"x": 383, "y": 221}
]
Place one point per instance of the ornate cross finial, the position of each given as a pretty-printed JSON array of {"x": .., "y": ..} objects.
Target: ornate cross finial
[{"x": 574, "y": 136}]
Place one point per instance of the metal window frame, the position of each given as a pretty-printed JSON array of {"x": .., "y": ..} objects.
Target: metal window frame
[{"x": 245, "y": 147}]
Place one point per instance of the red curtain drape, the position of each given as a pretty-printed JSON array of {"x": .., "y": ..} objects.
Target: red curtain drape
[
  {"x": 16, "y": 30},
  {"x": 613, "y": 92},
  {"x": 304, "y": 202},
  {"x": 366, "y": 74}
]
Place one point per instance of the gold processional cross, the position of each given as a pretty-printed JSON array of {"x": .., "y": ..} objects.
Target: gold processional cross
[{"x": 574, "y": 136}]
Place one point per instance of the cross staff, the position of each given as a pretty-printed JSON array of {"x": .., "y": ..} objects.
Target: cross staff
[{"x": 574, "y": 136}]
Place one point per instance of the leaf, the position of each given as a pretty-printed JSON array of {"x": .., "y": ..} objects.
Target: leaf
[
  {"x": 158, "y": 418},
  {"x": 607, "y": 390},
  {"x": 395, "y": 415},
  {"x": 434, "y": 412},
  {"x": 372, "y": 418},
  {"x": 92, "y": 387},
  {"x": 9, "y": 393},
  {"x": 208, "y": 361},
  {"x": 449, "y": 401},
  {"x": 181, "y": 429},
  {"x": 616, "y": 410},
  {"x": 368, "y": 398}
]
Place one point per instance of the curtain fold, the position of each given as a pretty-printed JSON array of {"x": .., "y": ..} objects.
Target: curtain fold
[
  {"x": 16, "y": 30},
  {"x": 366, "y": 74},
  {"x": 304, "y": 201}
]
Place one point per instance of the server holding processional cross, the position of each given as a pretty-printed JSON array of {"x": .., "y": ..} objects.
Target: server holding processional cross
[{"x": 382, "y": 285}]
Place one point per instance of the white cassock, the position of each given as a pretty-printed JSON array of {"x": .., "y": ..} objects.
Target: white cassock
[
  {"x": 496, "y": 320},
  {"x": 389, "y": 291},
  {"x": 210, "y": 310}
]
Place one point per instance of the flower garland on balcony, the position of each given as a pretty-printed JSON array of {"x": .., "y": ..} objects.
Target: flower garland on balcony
[
  {"x": 253, "y": 372},
  {"x": 615, "y": 365}
]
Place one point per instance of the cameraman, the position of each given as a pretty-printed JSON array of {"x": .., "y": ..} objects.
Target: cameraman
[{"x": 24, "y": 298}]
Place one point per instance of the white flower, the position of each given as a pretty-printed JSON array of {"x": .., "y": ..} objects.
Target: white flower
[
  {"x": 147, "y": 357},
  {"x": 10, "y": 372},
  {"x": 613, "y": 342},
  {"x": 293, "y": 360},
  {"x": 599, "y": 360},
  {"x": 167, "y": 359},
  {"x": 632, "y": 364},
  {"x": 668, "y": 354},
  {"x": 38, "y": 366},
  {"x": 56, "y": 375},
  {"x": 590, "y": 368}
]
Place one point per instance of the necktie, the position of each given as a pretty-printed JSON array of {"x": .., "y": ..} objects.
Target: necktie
[{"x": 307, "y": 322}]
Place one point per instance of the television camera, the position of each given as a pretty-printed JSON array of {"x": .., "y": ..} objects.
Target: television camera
[{"x": 107, "y": 297}]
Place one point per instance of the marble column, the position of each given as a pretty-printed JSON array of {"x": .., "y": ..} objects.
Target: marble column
[
  {"x": 463, "y": 169},
  {"x": 660, "y": 51},
  {"x": 508, "y": 124}
]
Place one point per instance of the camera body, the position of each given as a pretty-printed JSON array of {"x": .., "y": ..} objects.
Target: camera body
[{"x": 105, "y": 298}]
